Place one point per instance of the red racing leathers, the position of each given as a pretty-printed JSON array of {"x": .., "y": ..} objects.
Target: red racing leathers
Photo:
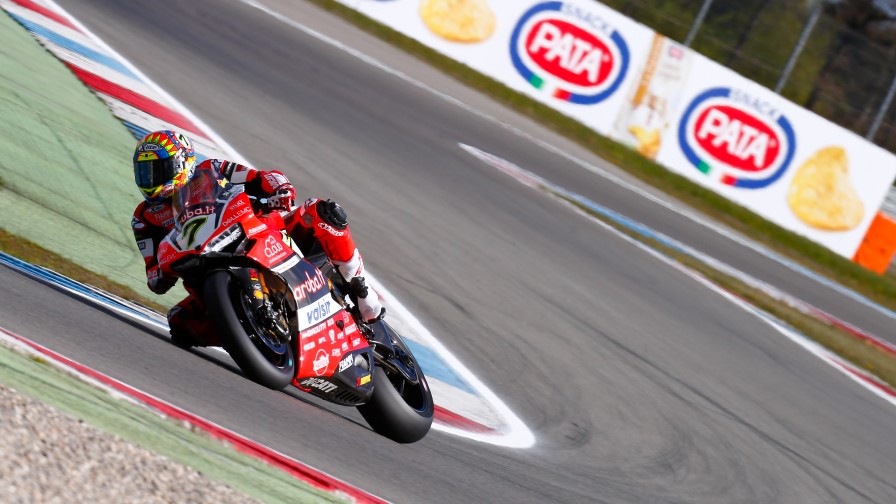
[{"x": 321, "y": 220}]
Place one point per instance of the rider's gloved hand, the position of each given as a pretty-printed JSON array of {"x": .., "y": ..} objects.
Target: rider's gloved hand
[
  {"x": 159, "y": 283},
  {"x": 368, "y": 301},
  {"x": 280, "y": 194}
]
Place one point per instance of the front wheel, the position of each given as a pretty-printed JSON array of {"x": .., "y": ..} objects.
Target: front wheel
[
  {"x": 399, "y": 409},
  {"x": 273, "y": 366}
]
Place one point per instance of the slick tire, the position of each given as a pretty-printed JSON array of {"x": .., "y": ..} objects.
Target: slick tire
[
  {"x": 222, "y": 304},
  {"x": 390, "y": 416}
]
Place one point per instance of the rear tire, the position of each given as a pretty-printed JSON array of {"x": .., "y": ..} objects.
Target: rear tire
[{"x": 219, "y": 296}]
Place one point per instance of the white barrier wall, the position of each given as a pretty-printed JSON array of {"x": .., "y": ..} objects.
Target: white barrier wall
[{"x": 692, "y": 115}]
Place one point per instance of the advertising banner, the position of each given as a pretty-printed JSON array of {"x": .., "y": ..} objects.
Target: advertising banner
[
  {"x": 781, "y": 161},
  {"x": 688, "y": 113},
  {"x": 576, "y": 56}
]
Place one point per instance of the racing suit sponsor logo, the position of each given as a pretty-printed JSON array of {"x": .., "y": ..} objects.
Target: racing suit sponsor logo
[
  {"x": 137, "y": 224},
  {"x": 736, "y": 139},
  {"x": 275, "y": 179},
  {"x": 336, "y": 352},
  {"x": 569, "y": 52},
  {"x": 145, "y": 247},
  {"x": 321, "y": 362},
  {"x": 330, "y": 229},
  {"x": 308, "y": 346}
]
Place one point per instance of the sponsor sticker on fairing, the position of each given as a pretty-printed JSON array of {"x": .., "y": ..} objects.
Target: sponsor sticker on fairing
[
  {"x": 272, "y": 247},
  {"x": 569, "y": 52},
  {"x": 736, "y": 139},
  {"x": 286, "y": 265},
  {"x": 311, "y": 285},
  {"x": 346, "y": 363},
  {"x": 317, "y": 383},
  {"x": 321, "y": 362},
  {"x": 317, "y": 312}
]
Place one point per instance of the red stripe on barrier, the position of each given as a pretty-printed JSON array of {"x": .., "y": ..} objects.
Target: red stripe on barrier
[
  {"x": 135, "y": 100},
  {"x": 856, "y": 333},
  {"x": 452, "y": 419},
  {"x": 295, "y": 468},
  {"x": 43, "y": 11},
  {"x": 883, "y": 387}
]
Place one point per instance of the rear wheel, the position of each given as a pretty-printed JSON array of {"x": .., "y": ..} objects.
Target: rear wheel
[
  {"x": 266, "y": 360},
  {"x": 400, "y": 409}
]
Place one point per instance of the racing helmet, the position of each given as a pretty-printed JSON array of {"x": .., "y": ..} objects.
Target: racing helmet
[{"x": 163, "y": 161}]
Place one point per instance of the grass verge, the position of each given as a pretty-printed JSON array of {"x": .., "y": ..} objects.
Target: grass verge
[
  {"x": 217, "y": 460},
  {"x": 34, "y": 254},
  {"x": 860, "y": 353},
  {"x": 881, "y": 289}
]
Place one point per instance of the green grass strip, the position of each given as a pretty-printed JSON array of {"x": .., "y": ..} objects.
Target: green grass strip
[{"x": 218, "y": 461}]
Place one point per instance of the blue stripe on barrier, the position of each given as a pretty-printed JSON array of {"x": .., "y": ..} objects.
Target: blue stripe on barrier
[
  {"x": 434, "y": 367},
  {"x": 71, "y": 45},
  {"x": 56, "y": 278}
]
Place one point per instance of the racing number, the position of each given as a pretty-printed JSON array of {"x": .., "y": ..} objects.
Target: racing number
[{"x": 191, "y": 228}]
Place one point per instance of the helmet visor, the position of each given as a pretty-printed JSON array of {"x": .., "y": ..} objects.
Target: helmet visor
[{"x": 150, "y": 174}]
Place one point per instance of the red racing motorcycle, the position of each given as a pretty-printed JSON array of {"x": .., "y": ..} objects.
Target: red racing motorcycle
[{"x": 284, "y": 317}]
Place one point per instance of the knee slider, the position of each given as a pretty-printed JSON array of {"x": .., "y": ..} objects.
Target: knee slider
[{"x": 333, "y": 214}]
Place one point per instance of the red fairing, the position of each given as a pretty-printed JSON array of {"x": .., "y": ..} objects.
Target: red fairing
[
  {"x": 269, "y": 249},
  {"x": 236, "y": 211},
  {"x": 324, "y": 345},
  {"x": 167, "y": 255}
]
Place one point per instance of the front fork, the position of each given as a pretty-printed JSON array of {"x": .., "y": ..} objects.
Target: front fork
[{"x": 260, "y": 302}]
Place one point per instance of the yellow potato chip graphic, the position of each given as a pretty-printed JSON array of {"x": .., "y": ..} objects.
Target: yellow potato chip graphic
[
  {"x": 648, "y": 140},
  {"x": 458, "y": 20},
  {"x": 822, "y": 195}
]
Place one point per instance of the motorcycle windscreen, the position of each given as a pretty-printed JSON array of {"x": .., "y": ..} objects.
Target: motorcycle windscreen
[{"x": 195, "y": 206}]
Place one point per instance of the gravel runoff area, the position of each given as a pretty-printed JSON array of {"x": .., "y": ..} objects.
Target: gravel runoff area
[{"x": 48, "y": 457}]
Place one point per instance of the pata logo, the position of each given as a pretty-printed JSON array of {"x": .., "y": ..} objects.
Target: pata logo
[
  {"x": 569, "y": 52},
  {"x": 736, "y": 139}
]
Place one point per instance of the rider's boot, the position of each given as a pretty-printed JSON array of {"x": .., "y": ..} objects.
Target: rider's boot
[
  {"x": 189, "y": 325},
  {"x": 368, "y": 300}
]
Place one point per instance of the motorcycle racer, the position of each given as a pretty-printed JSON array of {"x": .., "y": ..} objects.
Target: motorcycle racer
[{"x": 165, "y": 160}]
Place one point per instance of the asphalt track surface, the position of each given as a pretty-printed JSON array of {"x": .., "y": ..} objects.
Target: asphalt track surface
[{"x": 639, "y": 384}]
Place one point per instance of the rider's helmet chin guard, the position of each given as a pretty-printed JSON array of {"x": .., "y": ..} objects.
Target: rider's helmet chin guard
[{"x": 163, "y": 161}]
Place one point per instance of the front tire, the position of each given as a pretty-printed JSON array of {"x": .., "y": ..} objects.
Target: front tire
[
  {"x": 221, "y": 295},
  {"x": 399, "y": 410}
]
